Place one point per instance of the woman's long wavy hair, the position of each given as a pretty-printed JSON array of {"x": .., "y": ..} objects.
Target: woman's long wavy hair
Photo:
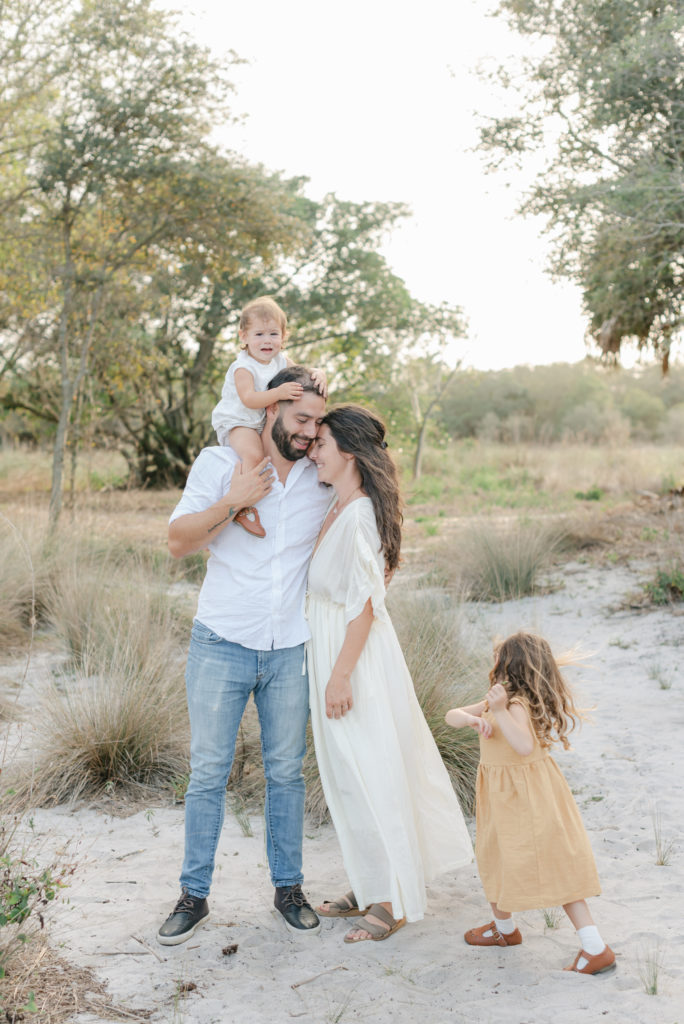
[
  {"x": 524, "y": 665},
  {"x": 360, "y": 433}
]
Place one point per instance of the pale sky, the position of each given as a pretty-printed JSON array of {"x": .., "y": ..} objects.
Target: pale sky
[{"x": 378, "y": 100}]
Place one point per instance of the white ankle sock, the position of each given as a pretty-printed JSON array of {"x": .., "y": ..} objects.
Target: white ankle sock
[
  {"x": 591, "y": 942},
  {"x": 507, "y": 926}
]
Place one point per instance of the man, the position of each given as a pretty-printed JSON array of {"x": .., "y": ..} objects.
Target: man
[{"x": 248, "y": 637}]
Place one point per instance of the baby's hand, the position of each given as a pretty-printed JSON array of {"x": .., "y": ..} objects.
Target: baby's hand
[
  {"x": 289, "y": 392},
  {"x": 320, "y": 380},
  {"x": 497, "y": 698}
]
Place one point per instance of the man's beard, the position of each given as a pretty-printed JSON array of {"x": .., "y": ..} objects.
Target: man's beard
[{"x": 282, "y": 441}]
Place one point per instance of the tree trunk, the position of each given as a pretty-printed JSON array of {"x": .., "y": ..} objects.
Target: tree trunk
[
  {"x": 66, "y": 382},
  {"x": 420, "y": 443},
  {"x": 69, "y": 387},
  {"x": 442, "y": 385}
]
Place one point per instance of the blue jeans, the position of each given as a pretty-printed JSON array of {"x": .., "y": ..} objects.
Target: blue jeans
[{"x": 220, "y": 677}]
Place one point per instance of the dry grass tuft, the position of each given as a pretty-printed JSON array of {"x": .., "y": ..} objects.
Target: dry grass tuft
[
  {"x": 99, "y": 607},
  {"x": 22, "y": 574},
  {"x": 664, "y": 847},
  {"x": 44, "y": 987},
  {"x": 650, "y": 965},
  {"x": 116, "y": 716},
  {"x": 122, "y": 728},
  {"x": 581, "y": 534},
  {"x": 494, "y": 561}
]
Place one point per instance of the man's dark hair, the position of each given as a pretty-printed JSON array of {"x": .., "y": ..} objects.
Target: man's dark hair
[{"x": 294, "y": 375}]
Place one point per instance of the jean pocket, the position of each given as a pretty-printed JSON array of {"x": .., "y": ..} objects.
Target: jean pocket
[{"x": 203, "y": 635}]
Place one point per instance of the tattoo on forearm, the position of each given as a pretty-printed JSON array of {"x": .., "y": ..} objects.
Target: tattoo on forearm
[{"x": 231, "y": 513}]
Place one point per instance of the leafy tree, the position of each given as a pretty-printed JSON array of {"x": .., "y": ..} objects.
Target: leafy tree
[
  {"x": 120, "y": 182},
  {"x": 138, "y": 243},
  {"x": 608, "y": 89}
]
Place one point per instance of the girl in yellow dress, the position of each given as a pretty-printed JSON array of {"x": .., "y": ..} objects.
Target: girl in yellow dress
[{"x": 532, "y": 849}]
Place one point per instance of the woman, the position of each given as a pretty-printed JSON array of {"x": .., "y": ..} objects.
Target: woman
[{"x": 395, "y": 812}]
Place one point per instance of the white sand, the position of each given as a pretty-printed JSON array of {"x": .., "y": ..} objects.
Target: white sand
[{"x": 624, "y": 767}]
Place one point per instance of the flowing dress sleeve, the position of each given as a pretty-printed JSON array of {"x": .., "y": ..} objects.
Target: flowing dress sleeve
[{"x": 365, "y": 563}]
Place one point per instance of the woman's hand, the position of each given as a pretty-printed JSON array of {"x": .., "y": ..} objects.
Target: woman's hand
[
  {"x": 338, "y": 697},
  {"x": 497, "y": 698}
]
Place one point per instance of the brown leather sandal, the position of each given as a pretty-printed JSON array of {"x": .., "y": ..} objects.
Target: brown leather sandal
[
  {"x": 344, "y": 906},
  {"x": 477, "y": 936},
  {"x": 599, "y": 964},
  {"x": 377, "y": 932},
  {"x": 248, "y": 519}
]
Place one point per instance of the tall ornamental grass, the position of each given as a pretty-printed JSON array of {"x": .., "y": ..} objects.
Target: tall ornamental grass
[
  {"x": 114, "y": 715},
  {"x": 491, "y": 561},
  {"x": 23, "y": 573}
]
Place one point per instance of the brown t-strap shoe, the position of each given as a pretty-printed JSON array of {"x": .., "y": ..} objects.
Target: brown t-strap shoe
[
  {"x": 477, "y": 936},
  {"x": 248, "y": 519},
  {"x": 598, "y": 964}
]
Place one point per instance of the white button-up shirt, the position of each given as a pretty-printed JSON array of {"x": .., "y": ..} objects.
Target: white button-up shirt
[{"x": 254, "y": 589}]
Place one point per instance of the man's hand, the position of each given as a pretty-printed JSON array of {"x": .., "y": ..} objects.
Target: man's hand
[{"x": 249, "y": 486}]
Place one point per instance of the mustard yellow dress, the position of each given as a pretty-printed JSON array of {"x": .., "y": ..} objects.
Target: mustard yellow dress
[{"x": 531, "y": 846}]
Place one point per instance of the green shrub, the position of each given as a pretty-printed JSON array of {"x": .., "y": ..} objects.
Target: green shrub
[
  {"x": 667, "y": 587},
  {"x": 26, "y": 889},
  {"x": 594, "y": 493}
]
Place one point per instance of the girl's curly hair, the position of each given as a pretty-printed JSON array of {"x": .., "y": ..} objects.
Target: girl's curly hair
[{"x": 525, "y": 666}]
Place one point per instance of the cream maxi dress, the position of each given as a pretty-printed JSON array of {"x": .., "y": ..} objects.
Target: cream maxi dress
[{"x": 397, "y": 817}]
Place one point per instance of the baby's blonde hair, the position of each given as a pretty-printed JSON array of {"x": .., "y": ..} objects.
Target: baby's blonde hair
[
  {"x": 524, "y": 665},
  {"x": 263, "y": 308}
]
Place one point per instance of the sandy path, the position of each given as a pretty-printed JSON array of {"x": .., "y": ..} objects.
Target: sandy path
[{"x": 624, "y": 767}]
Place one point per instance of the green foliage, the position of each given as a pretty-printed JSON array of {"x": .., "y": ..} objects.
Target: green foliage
[
  {"x": 592, "y": 494},
  {"x": 23, "y": 888},
  {"x": 130, "y": 243},
  {"x": 26, "y": 887},
  {"x": 427, "y": 488},
  {"x": 667, "y": 587},
  {"x": 582, "y": 402},
  {"x": 608, "y": 83}
]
